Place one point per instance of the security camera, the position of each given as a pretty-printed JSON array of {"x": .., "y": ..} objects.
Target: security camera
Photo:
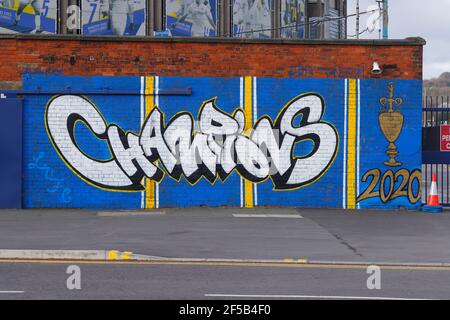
[{"x": 376, "y": 69}]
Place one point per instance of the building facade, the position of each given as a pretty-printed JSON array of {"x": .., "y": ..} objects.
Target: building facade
[{"x": 150, "y": 122}]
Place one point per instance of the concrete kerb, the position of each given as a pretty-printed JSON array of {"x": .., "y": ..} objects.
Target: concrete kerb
[
  {"x": 126, "y": 256},
  {"x": 83, "y": 255}
]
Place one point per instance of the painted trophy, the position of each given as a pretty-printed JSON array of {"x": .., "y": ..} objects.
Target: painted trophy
[{"x": 391, "y": 123}]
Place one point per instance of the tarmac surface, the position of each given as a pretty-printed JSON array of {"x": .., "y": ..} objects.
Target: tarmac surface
[
  {"x": 326, "y": 235},
  {"x": 377, "y": 237},
  {"x": 141, "y": 281}
]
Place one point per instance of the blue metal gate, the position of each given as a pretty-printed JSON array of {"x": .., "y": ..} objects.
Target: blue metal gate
[
  {"x": 436, "y": 115},
  {"x": 11, "y": 153}
]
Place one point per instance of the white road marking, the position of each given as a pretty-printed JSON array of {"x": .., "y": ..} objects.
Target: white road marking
[
  {"x": 12, "y": 292},
  {"x": 284, "y": 216},
  {"x": 129, "y": 213},
  {"x": 279, "y": 296}
]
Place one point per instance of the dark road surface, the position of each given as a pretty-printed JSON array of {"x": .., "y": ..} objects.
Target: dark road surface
[
  {"x": 325, "y": 235},
  {"x": 112, "y": 281}
]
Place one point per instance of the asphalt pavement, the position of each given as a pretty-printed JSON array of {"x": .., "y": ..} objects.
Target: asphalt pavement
[
  {"x": 385, "y": 237},
  {"x": 325, "y": 235},
  {"x": 193, "y": 282}
]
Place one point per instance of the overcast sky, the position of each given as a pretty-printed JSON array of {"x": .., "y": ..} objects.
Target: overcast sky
[{"x": 408, "y": 18}]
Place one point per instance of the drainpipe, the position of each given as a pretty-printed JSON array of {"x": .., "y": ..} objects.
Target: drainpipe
[{"x": 385, "y": 20}]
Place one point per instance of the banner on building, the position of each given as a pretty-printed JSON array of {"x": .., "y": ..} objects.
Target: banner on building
[
  {"x": 113, "y": 17},
  {"x": 28, "y": 16},
  {"x": 252, "y": 18},
  {"x": 293, "y": 19},
  {"x": 191, "y": 18}
]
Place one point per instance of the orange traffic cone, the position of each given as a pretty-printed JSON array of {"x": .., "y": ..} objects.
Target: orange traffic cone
[
  {"x": 433, "y": 204},
  {"x": 433, "y": 197}
]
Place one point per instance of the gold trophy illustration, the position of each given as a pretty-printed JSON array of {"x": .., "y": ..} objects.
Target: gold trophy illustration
[{"x": 391, "y": 123}]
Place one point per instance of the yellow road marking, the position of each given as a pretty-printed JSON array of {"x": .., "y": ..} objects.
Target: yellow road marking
[
  {"x": 117, "y": 255},
  {"x": 112, "y": 255},
  {"x": 295, "y": 260},
  {"x": 126, "y": 255},
  {"x": 232, "y": 264}
]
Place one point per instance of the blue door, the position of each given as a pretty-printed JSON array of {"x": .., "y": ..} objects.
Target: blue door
[{"x": 11, "y": 153}]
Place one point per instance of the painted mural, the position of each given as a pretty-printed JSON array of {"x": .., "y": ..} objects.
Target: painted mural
[{"x": 224, "y": 142}]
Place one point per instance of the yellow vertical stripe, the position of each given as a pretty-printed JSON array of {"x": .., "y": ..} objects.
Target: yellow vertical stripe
[
  {"x": 248, "y": 90},
  {"x": 150, "y": 201},
  {"x": 248, "y": 110},
  {"x": 351, "y": 156},
  {"x": 149, "y": 95}
]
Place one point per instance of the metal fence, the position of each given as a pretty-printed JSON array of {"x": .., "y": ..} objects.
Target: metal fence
[{"x": 435, "y": 113}]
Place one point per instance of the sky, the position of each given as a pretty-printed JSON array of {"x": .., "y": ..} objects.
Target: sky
[{"x": 411, "y": 18}]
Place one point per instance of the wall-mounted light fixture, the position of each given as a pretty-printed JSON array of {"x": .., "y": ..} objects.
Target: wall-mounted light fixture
[{"x": 376, "y": 69}]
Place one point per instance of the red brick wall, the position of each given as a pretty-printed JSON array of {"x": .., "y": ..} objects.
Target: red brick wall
[{"x": 206, "y": 57}]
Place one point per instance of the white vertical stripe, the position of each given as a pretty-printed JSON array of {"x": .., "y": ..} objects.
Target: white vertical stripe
[
  {"x": 156, "y": 195},
  {"x": 358, "y": 128},
  {"x": 157, "y": 105},
  {"x": 255, "y": 101},
  {"x": 157, "y": 91},
  {"x": 142, "y": 122},
  {"x": 241, "y": 93},
  {"x": 241, "y": 105},
  {"x": 255, "y": 118},
  {"x": 142, "y": 100},
  {"x": 344, "y": 171},
  {"x": 241, "y": 186}
]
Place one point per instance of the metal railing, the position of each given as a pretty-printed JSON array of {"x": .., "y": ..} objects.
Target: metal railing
[{"x": 435, "y": 113}]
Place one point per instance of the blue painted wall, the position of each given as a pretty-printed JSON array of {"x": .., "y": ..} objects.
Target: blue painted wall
[{"x": 355, "y": 174}]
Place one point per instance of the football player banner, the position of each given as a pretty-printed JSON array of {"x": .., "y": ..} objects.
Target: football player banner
[
  {"x": 28, "y": 16},
  {"x": 191, "y": 18},
  {"x": 293, "y": 19},
  {"x": 113, "y": 17},
  {"x": 252, "y": 18}
]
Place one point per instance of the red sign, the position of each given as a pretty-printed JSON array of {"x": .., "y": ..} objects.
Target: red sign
[{"x": 445, "y": 137}]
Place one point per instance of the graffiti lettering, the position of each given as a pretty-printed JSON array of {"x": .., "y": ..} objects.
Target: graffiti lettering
[
  {"x": 356, "y": 72},
  {"x": 212, "y": 148},
  {"x": 55, "y": 184}
]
